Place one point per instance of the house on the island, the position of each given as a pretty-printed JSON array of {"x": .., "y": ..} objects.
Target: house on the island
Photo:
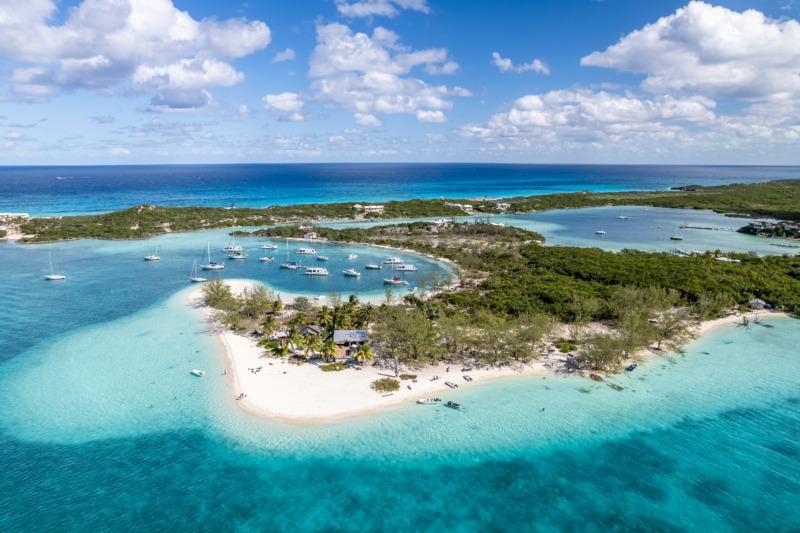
[
  {"x": 502, "y": 207},
  {"x": 757, "y": 304},
  {"x": 467, "y": 208},
  {"x": 310, "y": 330},
  {"x": 310, "y": 236},
  {"x": 369, "y": 208},
  {"x": 348, "y": 341}
]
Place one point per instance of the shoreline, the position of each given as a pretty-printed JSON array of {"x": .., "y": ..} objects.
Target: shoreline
[{"x": 330, "y": 397}]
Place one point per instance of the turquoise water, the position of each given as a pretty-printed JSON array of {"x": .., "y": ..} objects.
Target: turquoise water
[
  {"x": 647, "y": 228},
  {"x": 91, "y": 189},
  {"x": 102, "y": 427}
]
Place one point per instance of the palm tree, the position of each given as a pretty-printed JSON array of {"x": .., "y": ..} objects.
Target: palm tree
[
  {"x": 364, "y": 353},
  {"x": 277, "y": 349},
  {"x": 312, "y": 345},
  {"x": 328, "y": 350}
]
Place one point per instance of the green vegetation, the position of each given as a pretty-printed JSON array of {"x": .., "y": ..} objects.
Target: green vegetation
[
  {"x": 334, "y": 367},
  {"x": 3, "y": 233},
  {"x": 779, "y": 199},
  {"x": 385, "y": 385}
]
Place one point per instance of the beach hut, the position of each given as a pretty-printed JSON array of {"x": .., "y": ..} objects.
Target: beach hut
[
  {"x": 348, "y": 341},
  {"x": 310, "y": 330}
]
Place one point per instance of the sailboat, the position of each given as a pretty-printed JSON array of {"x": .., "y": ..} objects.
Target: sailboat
[
  {"x": 232, "y": 247},
  {"x": 194, "y": 277},
  {"x": 52, "y": 276},
  {"x": 289, "y": 265},
  {"x": 153, "y": 257},
  {"x": 211, "y": 265}
]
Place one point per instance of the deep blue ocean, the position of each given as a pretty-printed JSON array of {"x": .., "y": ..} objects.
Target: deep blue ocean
[
  {"x": 92, "y": 189},
  {"x": 103, "y": 429}
]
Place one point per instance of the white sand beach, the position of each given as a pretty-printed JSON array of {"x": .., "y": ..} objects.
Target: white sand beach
[
  {"x": 276, "y": 389},
  {"x": 306, "y": 394}
]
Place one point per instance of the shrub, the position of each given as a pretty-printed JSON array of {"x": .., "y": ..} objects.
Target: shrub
[
  {"x": 334, "y": 367},
  {"x": 408, "y": 376},
  {"x": 566, "y": 345},
  {"x": 385, "y": 385}
]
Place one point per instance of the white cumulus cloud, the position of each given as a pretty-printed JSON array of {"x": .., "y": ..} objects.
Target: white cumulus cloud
[
  {"x": 368, "y": 74},
  {"x": 286, "y": 106},
  {"x": 713, "y": 51},
  {"x": 150, "y": 44},
  {"x": 284, "y": 55},
  {"x": 383, "y": 8},
  {"x": 506, "y": 65}
]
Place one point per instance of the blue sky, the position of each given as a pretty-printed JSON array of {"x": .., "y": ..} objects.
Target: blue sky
[{"x": 571, "y": 81}]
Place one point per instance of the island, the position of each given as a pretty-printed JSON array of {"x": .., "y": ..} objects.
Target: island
[{"x": 514, "y": 307}]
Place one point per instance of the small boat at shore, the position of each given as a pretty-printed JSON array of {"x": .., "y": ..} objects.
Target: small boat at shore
[
  {"x": 467, "y": 377},
  {"x": 596, "y": 377},
  {"x": 53, "y": 276},
  {"x": 372, "y": 266},
  {"x": 631, "y": 368},
  {"x": 394, "y": 281},
  {"x": 351, "y": 273},
  {"x": 451, "y": 384},
  {"x": 316, "y": 271},
  {"x": 429, "y": 401},
  {"x": 197, "y": 372},
  {"x": 454, "y": 405}
]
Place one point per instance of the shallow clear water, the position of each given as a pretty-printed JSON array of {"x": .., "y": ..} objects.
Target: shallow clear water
[
  {"x": 646, "y": 228},
  {"x": 92, "y": 189},
  {"x": 103, "y": 427}
]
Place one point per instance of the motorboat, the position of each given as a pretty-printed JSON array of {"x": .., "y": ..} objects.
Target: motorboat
[
  {"x": 194, "y": 277},
  {"x": 210, "y": 264},
  {"x": 269, "y": 246},
  {"x": 291, "y": 265},
  {"x": 467, "y": 377},
  {"x": 392, "y": 261},
  {"x": 316, "y": 271},
  {"x": 197, "y": 372},
  {"x": 53, "y": 276},
  {"x": 451, "y": 384},
  {"x": 454, "y": 405},
  {"x": 372, "y": 266},
  {"x": 237, "y": 255},
  {"x": 623, "y": 217},
  {"x": 266, "y": 259},
  {"x": 600, "y": 232},
  {"x": 676, "y": 237},
  {"x": 429, "y": 401},
  {"x": 322, "y": 258},
  {"x": 352, "y": 256},
  {"x": 306, "y": 251},
  {"x": 351, "y": 273},
  {"x": 406, "y": 267},
  {"x": 394, "y": 281}
]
